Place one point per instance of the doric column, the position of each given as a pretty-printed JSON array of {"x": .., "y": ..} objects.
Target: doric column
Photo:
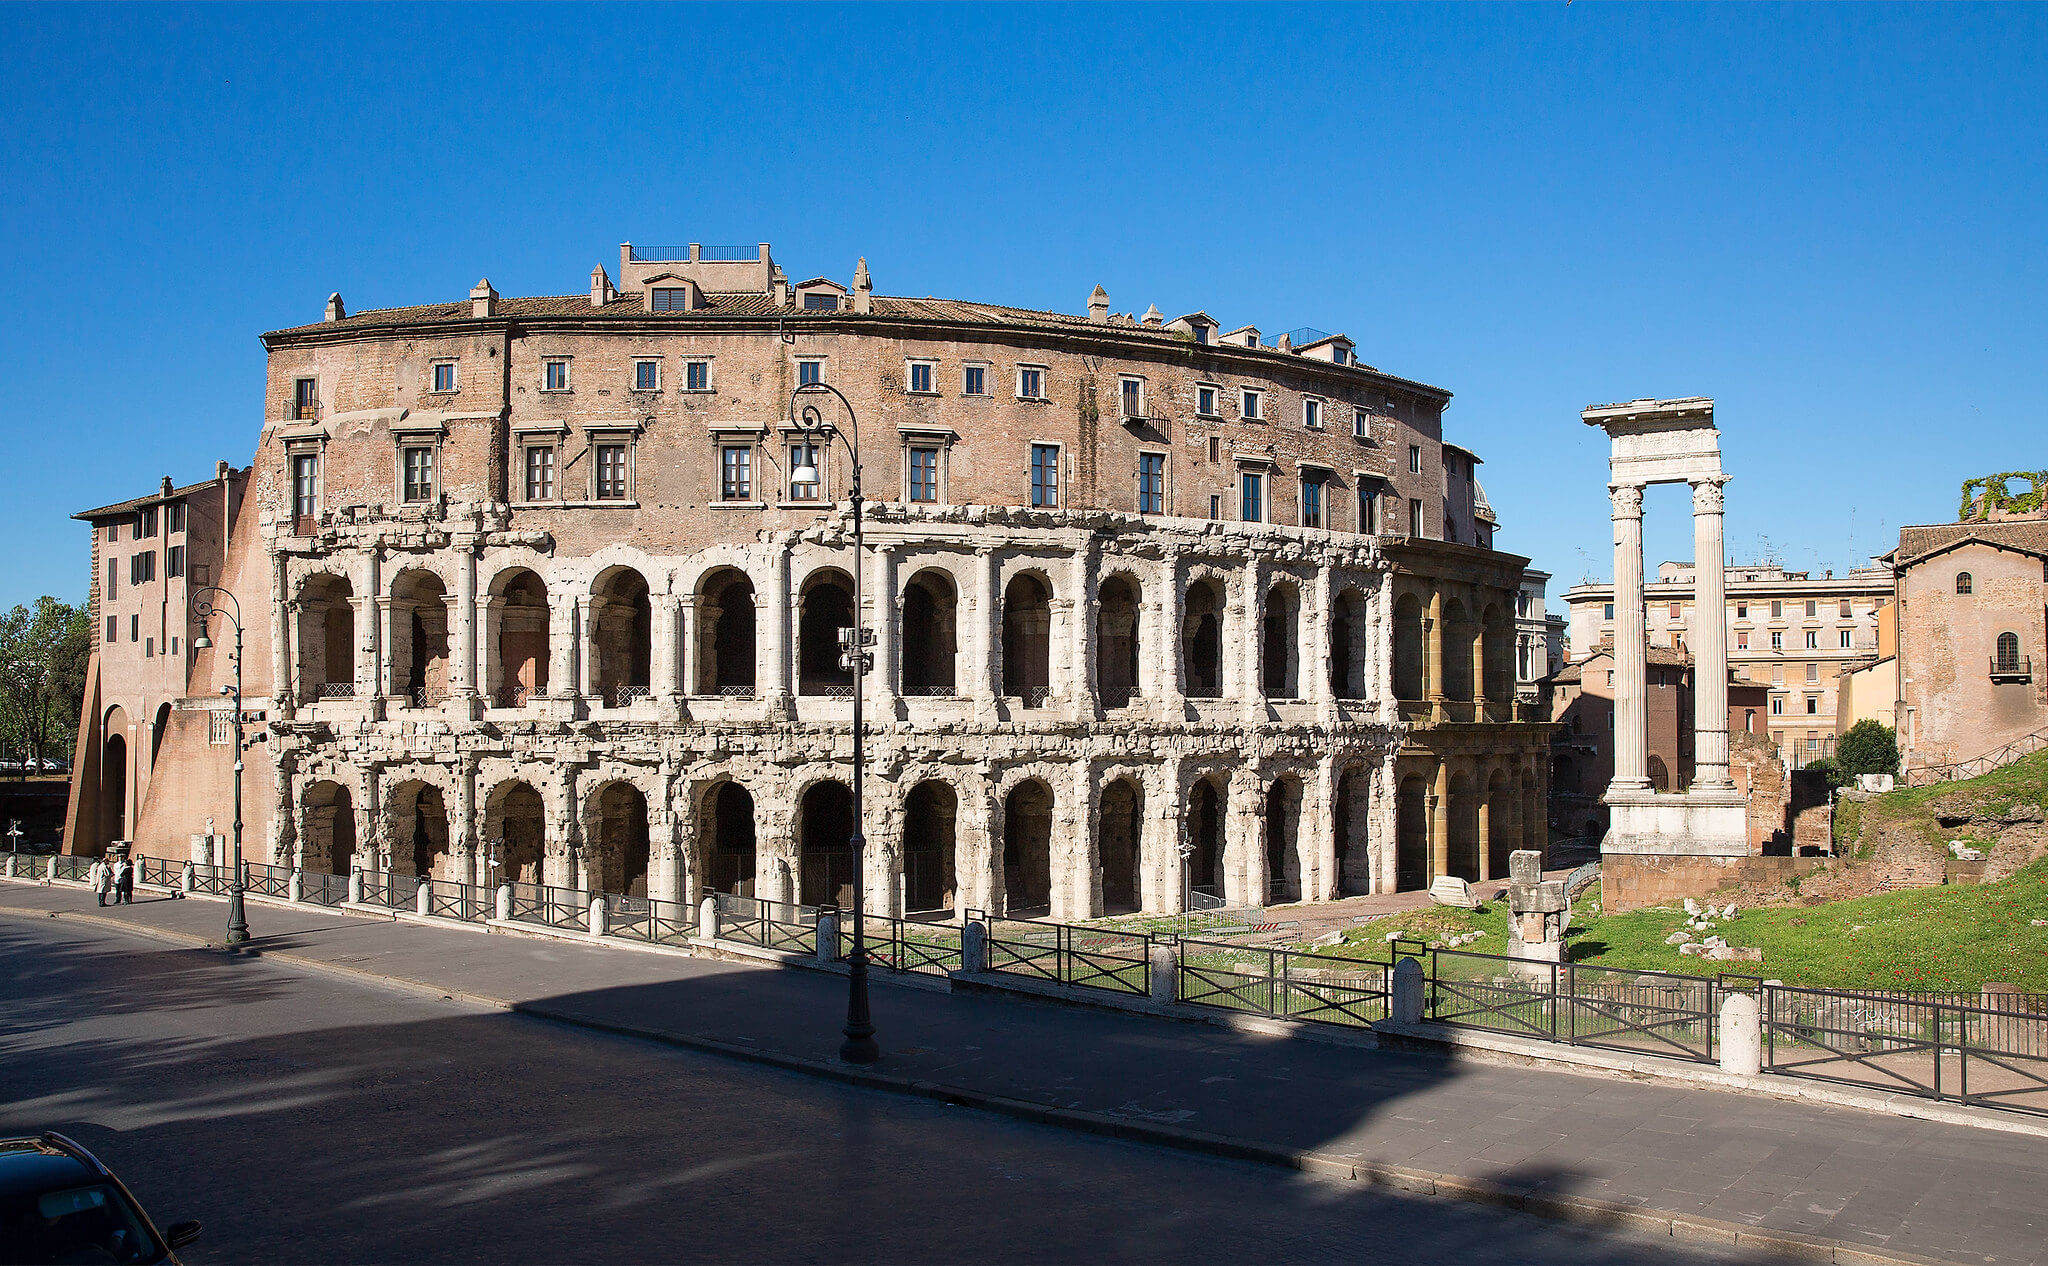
[
  {"x": 463, "y": 678},
  {"x": 372, "y": 847},
  {"x": 280, "y": 646},
  {"x": 885, "y": 617},
  {"x": 1386, "y": 820},
  {"x": 1316, "y": 657},
  {"x": 1631, "y": 684},
  {"x": 1709, "y": 638},
  {"x": 1535, "y": 830},
  {"x": 988, "y": 624},
  {"x": 664, "y": 632},
  {"x": 1162, "y": 660},
  {"x": 1319, "y": 830},
  {"x": 1484, "y": 792},
  {"x": 1433, "y": 667},
  {"x": 585, "y": 649},
  {"x": 1440, "y": 823},
  {"x": 1083, "y": 575},
  {"x": 773, "y": 626},
  {"x": 562, "y": 646},
  {"x": 466, "y": 830},
  {"x": 1251, "y": 682},
  {"x": 283, "y": 813}
]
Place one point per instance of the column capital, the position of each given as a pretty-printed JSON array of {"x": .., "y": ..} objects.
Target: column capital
[
  {"x": 1628, "y": 500},
  {"x": 1706, "y": 494}
]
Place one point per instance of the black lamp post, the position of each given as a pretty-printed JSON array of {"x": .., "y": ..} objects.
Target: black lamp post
[
  {"x": 204, "y": 608},
  {"x": 859, "y": 1046}
]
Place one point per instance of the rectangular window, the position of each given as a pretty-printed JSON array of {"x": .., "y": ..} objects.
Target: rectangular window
[
  {"x": 924, "y": 475},
  {"x": 419, "y": 474},
  {"x": 113, "y": 532},
  {"x": 697, "y": 374},
  {"x": 174, "y": 517},
  {"x": 1778, "y": 707},
  {"x": 1812, "y": 609},
  {"x": 921, "y": 377},
  {"x": 803, "y": 457},
  {"x": 1813, "y": 673},
  {"x": 670, "y": 299},
  {"x": 1361, "y": 424},
  {"x": 1672, "y": 612},
  {"x": 1151, "y": 483},
  {"x": 1414, "y": 517},
  {"x": 809, "y": 371},
  {"x": 1812, "y": 640},
  {"x": 1845, "y": 609},
  {"x": 113, "y": 628},
  {"x": 1777, "y": 640},
  {"x": 134, "y": 628},
  {"x": 1312, "y": 413},
  {"x": 554, "y": 375},
  {"x": 1415, "y": 459},
  {"x": 1215, "y": 449},
  {"x": 1312, "y": 503},
  {"x": 736, "y": 478},
  {"x": 1045, "y": 474},
  {"x": 540, "y": 474},
  {"x": 145, "y": 524},
  {"x": 1205, "y": 401},
  {"x": 113, "y": 578},
  {"x": 149, "y": 648},
  {"x": 1742, "y": 610},
  {"x": 174, "y": 562},
  {"x": 821, "y": 303},
  {"x": 1368, "y": 509},
  {"x": 142, "y": 568},
  {"x": 1742, "y": 641},
  {"x": 444, "y": 375},
  {"x": 1251, "y": 496},
  {"x": 1249, "y": 403},
  {"x": 974, "y": 380},
  {"x": 305, "y": 399},
  {"x": 611, "y": 472},
  {"x": 1777, "y": 609},
  {"x": 1030, "y": 383},
  {"x": 1215, "y": 506},
  {"x": 305, "y": 485},
  {"x": 1812, "y": 705},
  {"x": 647, "y": 375},
  {"x": 1608, "y": 612},
  {"x": 1845, "y": 639},
  {"x": 1777, "y": 674},
  {"x": 1133, "y": 397}
]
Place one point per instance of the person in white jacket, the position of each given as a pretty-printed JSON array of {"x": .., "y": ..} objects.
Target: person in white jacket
[{"x": 100, "y": 878}]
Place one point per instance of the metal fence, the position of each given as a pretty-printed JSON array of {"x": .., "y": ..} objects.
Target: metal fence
[
  {"x": 551, "y": 907},
  {"x": 466, "y": 902},
  {"x": 650, "y": 919},
  {"x": 155, "y": 870},
  {"x": 1993, "y": 1056},
  {"x": 1065, "y": 954},
  {"x": 775, "y": 925},
  {"x": 265, "y": 880},
  {"x": 1644, "y": 1013},
  {"x": 1275, "y": 981},
  {"x": 904, "y": 945},
  {"x": 390, "y": 890},
  {"x": 319, "y": 889}
]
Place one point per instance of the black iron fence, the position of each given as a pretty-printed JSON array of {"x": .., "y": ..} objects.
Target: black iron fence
[
  {"x": 392, "y": 891},
  {"x": 1643, "y": 1013},
  {"x": 466, "y": 902},
  {"x": 650, "y": 919},
  {"x": 1067, "y": 954},
  {"x": 1275, "y": 981},
  {"x": 904, "y": 945},
  {"x": 265, "y": 880},
  {"x": 550, "y": 907},
  {"x": 319, "y": 889},
  {"x": 1992, "y": 1055},
  {"x": 774, "y": 925}
]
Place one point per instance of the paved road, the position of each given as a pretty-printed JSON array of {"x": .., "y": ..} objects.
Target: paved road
[{"x": 305, "y": 1117}]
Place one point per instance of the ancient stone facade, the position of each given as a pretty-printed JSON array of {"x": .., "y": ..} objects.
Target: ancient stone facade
[{"x": 538, "y": 597}]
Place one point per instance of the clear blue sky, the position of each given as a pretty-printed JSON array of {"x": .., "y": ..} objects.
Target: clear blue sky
[{"x": 1829, "y": 218}]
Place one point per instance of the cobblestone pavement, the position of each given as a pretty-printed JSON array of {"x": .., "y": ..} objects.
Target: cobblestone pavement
[{"x": 1888, "y": 1183}]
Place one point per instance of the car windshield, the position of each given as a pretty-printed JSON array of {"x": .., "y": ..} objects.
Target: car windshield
[{"x": 74, "y": 1224}]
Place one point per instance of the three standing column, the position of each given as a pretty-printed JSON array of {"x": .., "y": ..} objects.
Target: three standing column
[
  {"x": 1709, "y": 638},
  {"x": 1631, "y": 767}
]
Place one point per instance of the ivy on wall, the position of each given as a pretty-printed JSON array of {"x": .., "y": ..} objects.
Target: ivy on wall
[{"x": 1982, "y": 496}]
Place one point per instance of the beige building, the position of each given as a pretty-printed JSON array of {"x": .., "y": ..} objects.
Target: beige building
[
  {"x": 1789, "y": 631},
  {"x": 535, "y": 593}
]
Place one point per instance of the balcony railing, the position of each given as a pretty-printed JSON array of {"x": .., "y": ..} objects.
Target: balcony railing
[
  {"x": 734, "y": 692},
  {"x": 303, "y": 411},
  {"x": 427, "y": 696},
  {"x": 337, "y": 690},
  {"x": 627, "y": 696},
  {"x": 929, "y": 692},
  {"x": 2012, "y": 668},
  {"x": 514, "y": 696}
]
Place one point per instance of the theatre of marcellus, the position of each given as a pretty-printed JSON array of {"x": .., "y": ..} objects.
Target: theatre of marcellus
[{"x": 532, "y": 592}]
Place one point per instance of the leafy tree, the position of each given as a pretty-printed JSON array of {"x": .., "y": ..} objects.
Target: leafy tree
[
  {"x": 44, "y": 653},
  {"x": 1830, "y": 768},
  {"x": 1869, "y": 747}
]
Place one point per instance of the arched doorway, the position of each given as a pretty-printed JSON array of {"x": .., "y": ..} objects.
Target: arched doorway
[
  {"x": 725, "y": 636},
  {"x": 1500, "y": 816},
  {"x": 826, "y": 606},
  {"x": 326, "y": 639},
  {"x": 1027, "y": 640},
  {"x": 825, "y": 845},
  {"x": 1411, "y": 835},
  {"x": 114, "y": 776},
  {"x": 1201, "y": 640},
  {"x": 1117, "y": 845},
  {"x": 729, "y": 831},
  {"x": 617, "y": 852},
  {"x": 515, "y": 820},
  {"x": 929, "y": 881},
  {"x": 930, "y": 634},
  {"x": 1280, "y": 641},
  {"x": 1117, "y": 605},
  {"x": 1459, "y": 632},
  {"x": 520, "y": 599},
  {"x": 1283, "y": 840},
  {"x": 621, "y": 637},
  {"x": 1409, "y": 672},
  {"x": 419, "y": 636},
  {"x": 1027, "y": 848},
  {"x": 1497, "y": 656},
  {"x": 1660, "y": 774},
  {"x": 1354, "y": 845},
  {"x": 328, "y": 842},
  {"x": 1462, "y": 858},
  {"x": 1205, "y": 832},
  {"x": 418, "y": 828},
  {"x": 1348, "y": 625}
]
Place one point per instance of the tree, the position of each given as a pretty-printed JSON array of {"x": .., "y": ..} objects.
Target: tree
[
  {"x": 44, "y": 653},
  {"x": 1869, "y": 747},
  {"x": 1829, "y": 769}
]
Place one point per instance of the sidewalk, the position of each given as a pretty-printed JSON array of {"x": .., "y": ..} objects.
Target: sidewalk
[{"x": 1787, "y": 1176}]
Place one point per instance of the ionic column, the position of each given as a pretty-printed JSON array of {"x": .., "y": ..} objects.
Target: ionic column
[
  {"x": 562, "y": 647},
  {"x": 1440, "y": 823},
  {"x": 280, "y": 646},
  {"x": 1316, "y": 661},
  {"x": 1165, "y": 665},
  {"x": 1252, "y": 620},
  {"x": 988, "y": 623},
  {"x": 1082, "y": 576},
  {"x": 1631, "y": 684},
  {"x": 773, "y": 626},
  {"x": 584, "y": 648},
  {"x": 666, "y": 636},
  {"x": 1478, "y": 652},
  {"x": 387, "y": 683},
  {"x": 1380, "y": 654},
  {"x": 1433, "y": 666},
  {"x": 369, "y": 629},
  {"x": 1709, "y": 638},
  {"x": 463, "y": 683},
  {"x": 884, "y": 617},
  {"x": 690, "y": 619}
]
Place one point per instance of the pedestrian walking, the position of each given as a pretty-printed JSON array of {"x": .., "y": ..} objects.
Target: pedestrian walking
[
  {"x": 124, "y": 881},
  {"x": 100, "y": 878}
]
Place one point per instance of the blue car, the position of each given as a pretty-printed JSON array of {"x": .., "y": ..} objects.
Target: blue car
[{"x": 59, "y": 1204}]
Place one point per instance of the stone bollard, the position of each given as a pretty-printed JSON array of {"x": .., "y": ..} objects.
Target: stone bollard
[
  {"x": 707, "y": 919},
  {"x": 974, "y": 946},
  {"x": 600, "y": 919},
  {"x": 1742, "y": 1035},
  {"x": 423, "y": 900},
  {"x": 828, "y": 937},
  {"x": 504, "y": 903},
  {"x": 355, "y": 886},
  {"x": 1165, "y": 973},
  {"x": 295, "y": 887},
  {"x": 10, "y": 865},
  {"x": 187, "y": 879},
  {"x": 1406, "y": 1004}
]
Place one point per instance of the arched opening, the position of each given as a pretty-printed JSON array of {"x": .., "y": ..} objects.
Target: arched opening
[
  {"x": 1962, "y": 582},
  {"x": 328, "y": 842},
  {"x": 1749, "y": 720},
  {"x": 157, "y": 730},
  {"x": 1201, "y": 640},
  {"x": 1409, "y": 683},
  {"x": 1280, "y": 642},
  {"x": 1118, "y": 843},
  {"x": 1354, "y": 851},
  {"x": 417, "y": 825},
  {"x": 419, "y": 638},
  {"x": 114, "y": 777},
  {"x": 825, "y": 845},
  {"x": 1459, "y": 633},
  {"x": 617, "y": 851},
  {"x": 1462, "y": 856},
  {"x": 1500, "y": 821},
  {"x": 515, "y": 821},
  {"x": 930, "y": 634},
  {"x": 327, "y": 616},
  {"x": 928, "y": 877},
  {"x": 1027, "y": 848},
  {"x": 729, "y": 830},
  {"x": 1205, "y": 833},
  {"x": 1348, "y": 626},
  {"x": 1660, "y": 774},
  {"x": 1497, "y": 655},
  {"x": 520, "y": 599},
  {"x": 1411, "y": 834},
  {"x": 725, "y": 638},
  {"x": 621, "y": 637},
  {"x": 1283, "y": 839},
  {"x": 1027, "y": 640},
  {"x": 2008, "y": 653},
  {"x": 826, "y": 606},
  {"x": 1116, "y": 641}
]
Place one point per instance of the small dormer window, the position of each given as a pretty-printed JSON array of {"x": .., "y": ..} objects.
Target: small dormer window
[
  {"x": 821, "y": 303},
  {"x": 671, "y": 299},
  {"x": 1201, "y": 334}
]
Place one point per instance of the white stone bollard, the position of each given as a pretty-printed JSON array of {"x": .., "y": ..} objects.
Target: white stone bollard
[
  {"x": 504, "y": 903},
  {"x": 187, "y": 879},
  {"x": 707, "y": 919},
  {"x": 10, "y": 865},
  {"x": 1165, "y": 973},
  {"x": 1742, "y": 1035},
  {"x": 828, "y": 937},
  {"x": 423, "y": 900},
  {"x": 1406, "y": 1004},
  {"x": 355, "y": 886},
  {"x": 600, "y": 921},
  {"x": 295, "y": 887},
  {"x": 974, "y": 946}
]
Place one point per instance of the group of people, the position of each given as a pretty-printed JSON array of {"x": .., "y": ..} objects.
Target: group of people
[{"x": 116, "y": 878}]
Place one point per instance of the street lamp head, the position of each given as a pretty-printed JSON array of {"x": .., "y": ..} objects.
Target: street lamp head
[
  {"x": 202, "y": 643},
  {"x": 227, "y": 690}
]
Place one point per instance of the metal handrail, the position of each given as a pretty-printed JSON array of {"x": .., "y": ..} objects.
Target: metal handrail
[{"x": 1978, "y": 766}]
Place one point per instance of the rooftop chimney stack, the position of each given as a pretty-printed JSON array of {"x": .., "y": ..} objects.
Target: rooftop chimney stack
[
  {"x": 483, "y": 301},
  {"x": 167, "y": 486},
  {"x": 863, "y": 289},
  {"x": 1285, "y": 343},
  {"x": 335, "y": 311},
  {"x": 1098, "y": 305},
  {"x": 601, "y": 291},
  {"x": 1153, "y": 316}
]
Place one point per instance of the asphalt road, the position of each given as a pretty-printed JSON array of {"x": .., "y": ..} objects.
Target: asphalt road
[{"x": 308, "y": 1118}]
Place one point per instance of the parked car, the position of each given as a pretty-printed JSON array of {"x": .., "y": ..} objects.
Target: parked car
[{"x": 58, "y": 1203}]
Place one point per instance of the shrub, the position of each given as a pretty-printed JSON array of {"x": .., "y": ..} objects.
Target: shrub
[
  {"x": 1870, "y": 747},
  {"x": 1830, "y": 769}
]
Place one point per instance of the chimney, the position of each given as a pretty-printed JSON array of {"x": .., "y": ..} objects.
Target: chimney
[
  {"x": 1153, "y": 317},
  {"x": 601, "y": 291},
  {"x": 167, "y": 486},
  {"x": 863, "y": 289},
  {"x": 335, "y": 311},
  {"x": 1098, "y": 305},
  {"x": 221, "y": 469},
  {"x": 483, "y": 301},
  {"x": 1285, "y": 344},
  {"x": 779, "y": 286}
]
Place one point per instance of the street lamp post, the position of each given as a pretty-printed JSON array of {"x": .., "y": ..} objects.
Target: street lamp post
[
  {"x": 204, "y": 608},
  {"x": 860, "y": 1046}
]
